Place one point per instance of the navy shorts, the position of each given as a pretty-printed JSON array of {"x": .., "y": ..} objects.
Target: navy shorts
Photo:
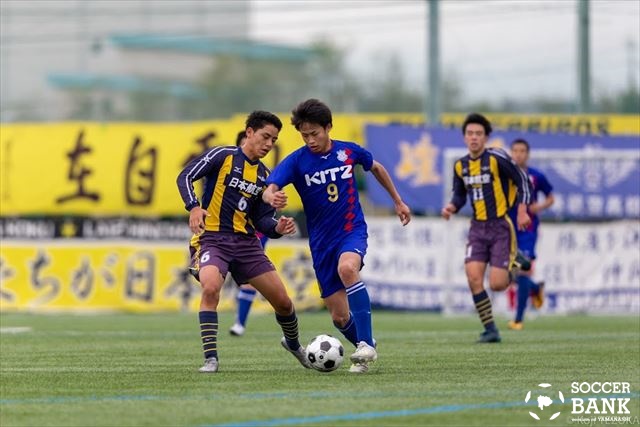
[
  {"x": 325, "y": 261},
  {"x": 527, "y": 243},
  {"x": 241, "y": 255},
  {"x": 492, "y": 241}
]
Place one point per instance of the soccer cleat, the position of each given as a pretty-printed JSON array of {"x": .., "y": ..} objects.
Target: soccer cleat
[
  {"x": 537, "y": 299},
  {"x": 300, "y": 353},
  {"x": 237, "y": 330},
  {"x": 522, "y": 262},
  {"x": 364, "y": 353},
  {"x": 490, "y": 337},
  {"x": 359, "y": 368},
  {"x": 515, "y": 326},
  {"x": 210, "y": 366}
]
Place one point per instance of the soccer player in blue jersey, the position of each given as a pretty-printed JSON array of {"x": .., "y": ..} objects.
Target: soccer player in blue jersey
[
  {"x": 224, "y": 223},
  {"x": 494, "y": 184},
  {"x": 323, "y": 174},
  {"x": 246, "y": 292},
  {"x": 528, "y": 237}
]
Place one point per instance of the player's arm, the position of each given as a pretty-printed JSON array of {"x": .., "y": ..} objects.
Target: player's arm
[
  {"x": 274, "y": 197},
  {"x": 549, "y": 200},
  {"x": 459, "y": 197},
  {"x": 264, "y": 219},
  {"x": 383, "y": 177},
  {"x": 280, "y": 177},
  {"x": 523, "y": 197},
  {"x": 196, "y": 169}
]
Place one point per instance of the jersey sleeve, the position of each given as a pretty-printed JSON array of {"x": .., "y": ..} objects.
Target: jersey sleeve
[
  {"x": 516, "y": 174},
  {"x": 264, "y": 220},
  {"x": 199, "y": 167},
  {"x": 544, "y": 184},
  {"x": 363, "y": 156},
  {"x": 459, "y": 197},
  {"x": 285, "y": 172}
]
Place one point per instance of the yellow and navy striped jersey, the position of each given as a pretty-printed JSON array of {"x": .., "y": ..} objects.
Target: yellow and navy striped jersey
[
  {"x": 493, "y": 181},
  {"x": 232, "y": 192}
]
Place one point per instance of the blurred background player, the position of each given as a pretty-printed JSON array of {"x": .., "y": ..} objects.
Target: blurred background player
[
  {"x": 246, "y": 292},
  {"x": 490, "y": 177},
  {"x": 528, "y": 237},
  {"x": 224, "y": 235},
  {"x": 322, "y": 171}
]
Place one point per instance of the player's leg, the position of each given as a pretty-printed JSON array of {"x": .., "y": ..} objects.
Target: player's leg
[
  {"x": 342, "y": 318},
  {"x": 476, "y": 258},
  {"x": 245, "y": 297},
  {"x": 526, "y": 243},
  {"x": 271, "y": 287},
  {"x": 211, "y": 280},
  {"x": 349, "y": 265}
]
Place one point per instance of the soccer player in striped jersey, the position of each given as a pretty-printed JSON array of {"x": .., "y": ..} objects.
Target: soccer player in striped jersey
[
  {"x": 528, "y": 237},
  {"x": 246, "y": 292},
  {"x": 494, "y": 184},
  {"x": 224, "y": 223},
  {"x": 322, "y": 171}
]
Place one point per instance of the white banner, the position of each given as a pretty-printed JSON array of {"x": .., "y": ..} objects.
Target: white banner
[{"x": 591, "y": 268}]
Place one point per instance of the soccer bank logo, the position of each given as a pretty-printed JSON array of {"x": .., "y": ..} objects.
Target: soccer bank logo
[{"x": 544, "y": 399}]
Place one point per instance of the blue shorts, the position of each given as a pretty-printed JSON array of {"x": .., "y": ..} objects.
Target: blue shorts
[
  {"x": 325, "y": 262},
  {"x": 527, "y": 243}
]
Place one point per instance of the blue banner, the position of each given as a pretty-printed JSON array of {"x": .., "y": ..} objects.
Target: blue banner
[{"x": 594, "y": 177}]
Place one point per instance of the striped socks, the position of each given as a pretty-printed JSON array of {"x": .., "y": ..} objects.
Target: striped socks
[
  {"x": 209, "y": 333},
  {"x": 483, "y": 306},
  {"x": 361, "y": 311}
]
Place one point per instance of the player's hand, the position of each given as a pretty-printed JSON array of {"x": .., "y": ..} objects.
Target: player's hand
[
  {"x": 447, "y": 211},
  {"x": 285, "y": 225},
  {"x": 277, "y": 199},
  {"x": 196, "y": 219},
  {"x": 403, "y": 212},
  {"x": 523, "y": 218}
]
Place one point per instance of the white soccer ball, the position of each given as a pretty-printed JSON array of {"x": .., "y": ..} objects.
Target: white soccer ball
[{"x": 325, "y": 353}]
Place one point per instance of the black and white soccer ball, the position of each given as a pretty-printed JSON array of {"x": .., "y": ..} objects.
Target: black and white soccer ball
[{"x": 325, "y": 353}]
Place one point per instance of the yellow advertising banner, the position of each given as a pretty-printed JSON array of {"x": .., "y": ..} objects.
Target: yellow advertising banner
[
  {"x": 129, "y": 169},
  {"x": 78, "y": 276}
]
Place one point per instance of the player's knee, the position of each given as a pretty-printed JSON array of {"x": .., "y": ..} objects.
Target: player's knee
[
  {"x": 348, "y": 272},
  {"x": 499, "y": 284},
  {"x": 210, "y": 295},
  {"x": 340, "y": 319}
]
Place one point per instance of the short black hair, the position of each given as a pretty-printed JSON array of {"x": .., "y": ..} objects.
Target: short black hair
[
  {"x": 240, "y": 136},
  {"x": 520, "y": 141},
  {"x": 311, "y": 111},
  {"x": 259, "y": 119},
  {"x": 477, "y": 119}
]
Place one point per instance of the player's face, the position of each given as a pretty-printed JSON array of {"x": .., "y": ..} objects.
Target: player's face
[
  {"x": 520, "y": 154},
  {"x": 259, "y": 142},
  {"x": 475, "y": 138},
  {"x": 316, "y": 137}
]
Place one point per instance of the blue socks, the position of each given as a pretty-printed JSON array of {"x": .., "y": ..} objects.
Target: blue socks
[
  {"x": 245, "y": 299},
  {"x": 349, "y": 330},
  {"x": 525, "y": 286},
  {"x": 361, "y": 311},
  {"x": 209, "y": 333}
]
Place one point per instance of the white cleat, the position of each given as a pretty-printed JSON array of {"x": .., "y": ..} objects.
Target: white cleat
[
  {"x": 237, "y": 330},
  {"x": 359, "y": 368},
  {"x": 300, "y": 353},
  {"x": 364, "y": 353},
  {"x": 210, "y": 366}
]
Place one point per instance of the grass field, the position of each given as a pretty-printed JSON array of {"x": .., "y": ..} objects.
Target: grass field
[{"x": 133, "y": 370}]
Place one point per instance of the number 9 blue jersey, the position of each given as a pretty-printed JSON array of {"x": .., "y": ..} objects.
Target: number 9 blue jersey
[{"x": 326, "y": 184}]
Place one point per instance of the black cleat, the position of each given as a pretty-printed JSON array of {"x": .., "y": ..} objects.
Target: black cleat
[{"x": 489, "y": 337}]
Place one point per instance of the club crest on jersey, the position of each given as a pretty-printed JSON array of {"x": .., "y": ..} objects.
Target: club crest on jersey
[
  {"x": 342, "y": 155},
  {"x": 332, "y": 175}
]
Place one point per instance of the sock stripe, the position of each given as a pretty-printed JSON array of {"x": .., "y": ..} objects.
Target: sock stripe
[
  {"x": 355, "y": 288},
  {"x": 209, "y": 333}
]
